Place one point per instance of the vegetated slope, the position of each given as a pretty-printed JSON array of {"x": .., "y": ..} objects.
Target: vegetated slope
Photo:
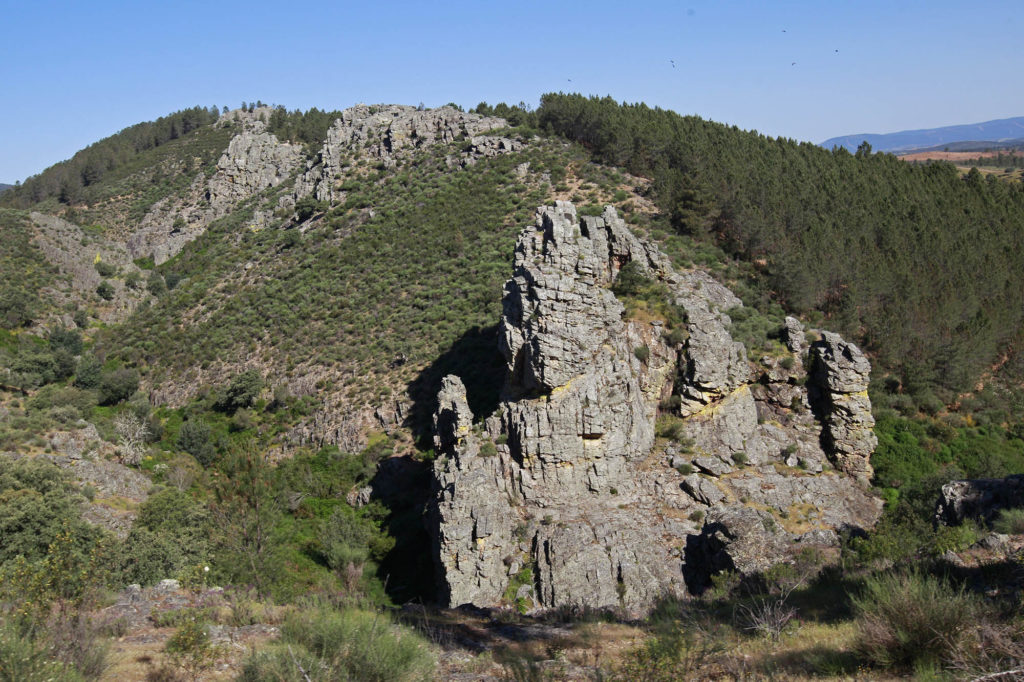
[
  {"x": 356, "y": 304},
  {"x": 1000, "y": 129},
  {"x": 919, "y": 264},
  {"x": 4, "y": 187},
  {"x": 24, "y": 271},
  {"x": 70, "y": 181}
]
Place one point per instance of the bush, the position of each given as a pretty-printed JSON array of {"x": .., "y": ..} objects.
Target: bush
[
  {"x": 642, "y": 353},
  {"x": 909, "y": 619},
  {"x": 196, "y": 438},
  {"x": 118, "y": 385},
  {"x": 105, "y": 290},
  {"x": 23, "y": 658},
  {"x": 352, "y": 644},
  {"x": 1010, "y": 521},
  {"x": 241, "y": 392},
  {"x": 105, "y": 269},
  {"x": 89, "y": 372}
]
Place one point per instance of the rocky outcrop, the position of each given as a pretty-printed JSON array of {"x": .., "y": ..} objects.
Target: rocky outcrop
[
  {"x": 840, "y": 374},
  {"x": 254, "y": 161},
  {"x": 566, "y": 497},
  {"x": 384, "y": 133},
  {"x": 980, "y": 499}
]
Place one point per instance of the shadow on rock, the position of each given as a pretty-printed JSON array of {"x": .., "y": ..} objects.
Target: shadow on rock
[{"x": 475, "y": 359}]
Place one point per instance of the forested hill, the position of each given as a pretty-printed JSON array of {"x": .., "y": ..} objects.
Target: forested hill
[
  {"x": 4, "y": 187},
  {"x": 99, "y": 163},
  {"x": 921, "y": 265}
]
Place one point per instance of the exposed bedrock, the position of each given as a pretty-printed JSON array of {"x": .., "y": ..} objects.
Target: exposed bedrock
[{"x": 565, "y": 497}]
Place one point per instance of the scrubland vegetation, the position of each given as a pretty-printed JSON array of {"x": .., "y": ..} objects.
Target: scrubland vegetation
[{"x": 389, "y": 289}]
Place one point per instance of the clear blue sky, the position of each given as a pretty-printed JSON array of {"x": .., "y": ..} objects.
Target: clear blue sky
[{"x": 74, "y": 72}]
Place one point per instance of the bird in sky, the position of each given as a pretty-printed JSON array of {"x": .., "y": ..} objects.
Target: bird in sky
[
  {"x": 793, "y": 64},
  {"x": 672, "y": 62}
]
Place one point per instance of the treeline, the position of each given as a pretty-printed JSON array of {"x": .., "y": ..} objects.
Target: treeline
[
  {"x": 308, "y": 127},
  {"x": 66, "y": 180},
  {"x": 1000, "y": 160},
  {"x": 921, "y": 266}
]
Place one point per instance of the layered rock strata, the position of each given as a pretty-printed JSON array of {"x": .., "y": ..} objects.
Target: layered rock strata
[{"x": 565, "y": 497}]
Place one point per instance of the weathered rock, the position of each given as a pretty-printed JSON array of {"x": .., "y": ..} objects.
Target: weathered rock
[
  {"x": 254, "y": 161},
  {"x": 793, "y": 335},
  {"x": 980, "y": 499},
  {"x": 743, "y": 539},
  {"x": 703, "y": 490},
  {"x": 712, "y": 465},
  {"x": 385, "y": 132},
  {"x": 841, "y": 376},
  {"x": 563, "y": 478},
  {"x": 453, "y": 418}
]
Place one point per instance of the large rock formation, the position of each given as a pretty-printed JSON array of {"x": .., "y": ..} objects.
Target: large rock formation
[
  {"x": 384, "y": 132},
  {"x": 565, "y": 496}
]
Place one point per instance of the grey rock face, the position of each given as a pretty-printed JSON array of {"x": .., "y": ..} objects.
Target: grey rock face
[
  {"x": 567, "y": 477},
  {"x": 385, "y": 132},
  {"x": 254, "y": 161},
  {"x": 744, "y": 539},
  {"x": 841, "y": 375},
  {"x": 793, "y": 335},
  {"x": 980, "y": 499}
]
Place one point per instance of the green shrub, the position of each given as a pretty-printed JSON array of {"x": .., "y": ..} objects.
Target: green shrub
[
  {"x": 118, "y": 385},
  {"x": 24, "y": 658},
  {"x": 105, "y": 269},
  {"x": 669, "y": 426},
  {"x": 105, "y": 290},
  {"x": 241, "y": 392},
  {"x": 196, "y": 438},
  {"x": 910, "y": 619},
  {"x": 342, "y": 645},
  {"x": 88, "y": 373},
  {"x": 1010, "y": 521},
  {"x": 642, "y": 353}
]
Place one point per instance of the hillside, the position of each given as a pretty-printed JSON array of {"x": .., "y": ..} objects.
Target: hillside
[
  {"x": 4, "y": 187},
  {"x": 593, "y": 361},
  {"x": 1008, "y": 130}
]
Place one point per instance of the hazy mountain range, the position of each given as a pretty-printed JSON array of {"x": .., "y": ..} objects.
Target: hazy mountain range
[{"x": 990, "y": 134}]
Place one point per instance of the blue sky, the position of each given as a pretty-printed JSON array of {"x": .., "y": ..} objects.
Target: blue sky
[{"x": 74, "y": 72}]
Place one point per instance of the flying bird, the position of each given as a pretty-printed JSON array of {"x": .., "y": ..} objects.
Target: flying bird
[
  {"x": 793, "y": 64},
  {"x": 672, "y": 62}
]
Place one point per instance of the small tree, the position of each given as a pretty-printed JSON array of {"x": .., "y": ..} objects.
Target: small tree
[
  {"x": 246, "y": 510},
  {"x": 242, "y": 391},
  {"x": 118, "y": 386},
  {"x": 133, "y": 433},
  {"x": 105, "y": 290},
  {"x": 195, "y": 439}
]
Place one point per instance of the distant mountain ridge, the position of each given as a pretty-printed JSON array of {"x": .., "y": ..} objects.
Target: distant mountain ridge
[
  {"x": 4, "y": 186},
  {"x": 991, "y": 133}
]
